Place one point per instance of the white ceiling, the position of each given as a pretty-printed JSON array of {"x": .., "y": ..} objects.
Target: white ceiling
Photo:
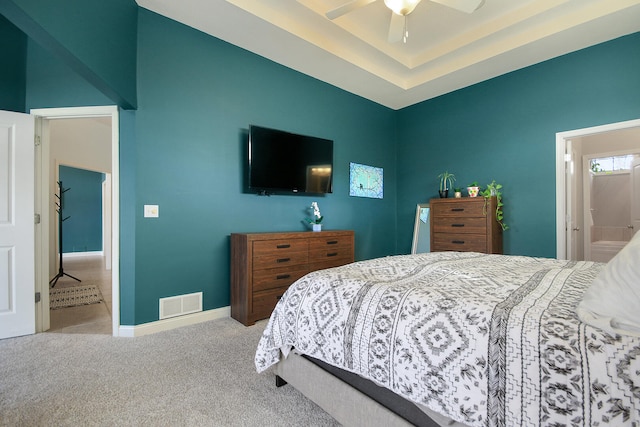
[{"x": 446, "y": 49}]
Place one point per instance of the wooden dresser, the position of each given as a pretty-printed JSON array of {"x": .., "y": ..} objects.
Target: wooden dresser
[
  {"x": 263, "y": 265},
  {"x": 466, "y": 225}
]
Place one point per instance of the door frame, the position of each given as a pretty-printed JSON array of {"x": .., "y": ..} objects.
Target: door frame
[
  {"x": 44, "y": 115},
  {"x": 564, "y": 214}
]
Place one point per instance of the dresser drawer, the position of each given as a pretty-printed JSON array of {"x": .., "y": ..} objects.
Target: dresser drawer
[
  {"x": 277, "y": 277},
  {"x": 329, "y": 263},
  {"x": 265, "y": 301},
  {"x": 324, "y": 254},
  {"x": 270, "y": 247},
  {"x": 466, "y": 208},
  {"x": 330, "y": 242},
  {"x": 279, "y": 253},
  {"x": 459, "y": 242},
  {"x": 460, "y": 225}
]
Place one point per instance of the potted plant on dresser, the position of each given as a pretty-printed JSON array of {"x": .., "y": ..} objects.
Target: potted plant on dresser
[
  {"x": 473, "y": 189},
  {"x": 446, "y": 181},
  {"x": 492, "y": 190}
]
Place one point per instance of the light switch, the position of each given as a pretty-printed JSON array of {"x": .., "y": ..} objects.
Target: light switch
[{"x": 151, "y": 211}]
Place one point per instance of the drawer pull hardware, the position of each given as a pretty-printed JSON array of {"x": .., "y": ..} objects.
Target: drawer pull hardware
[
  {"x": 284, "y": 246},
  {"x": 333, "y": 254},
  {"x": 283, "y": 276},
  {"x": 283, "y": 260},
  {"x": 458, "y": 242},
  {"x": 332, "y": 242},
  {"x": 457, "y": 209},
  {"x": 457, "y": 225}
]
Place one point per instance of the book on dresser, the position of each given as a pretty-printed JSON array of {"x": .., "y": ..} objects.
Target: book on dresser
[
  {"x": 264, "y": 265},
  {"x": 465, "y": 224}
]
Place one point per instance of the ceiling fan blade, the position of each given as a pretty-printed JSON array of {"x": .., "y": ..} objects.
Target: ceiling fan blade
[
  {"x": 346, "y": 8},
  {"x": 467, "y": 6},
  {"x": 396, "y": 28}
]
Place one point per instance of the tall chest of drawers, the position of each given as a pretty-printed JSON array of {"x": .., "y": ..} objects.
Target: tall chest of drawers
[
  {"x": 264, "y": 265},
  {"x": 466, "y": 224}
]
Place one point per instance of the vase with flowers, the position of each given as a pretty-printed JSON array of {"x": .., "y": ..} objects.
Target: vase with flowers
[{"x": 316, "y": 218}]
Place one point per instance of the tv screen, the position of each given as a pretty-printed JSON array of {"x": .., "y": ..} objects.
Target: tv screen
[{"x": 284, "y": 162}]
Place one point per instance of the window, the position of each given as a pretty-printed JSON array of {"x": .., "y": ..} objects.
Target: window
[{"x": 611, "y": 164}]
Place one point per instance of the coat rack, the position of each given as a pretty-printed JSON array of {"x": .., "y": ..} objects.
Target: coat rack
[{"x": 59, "y": 203}]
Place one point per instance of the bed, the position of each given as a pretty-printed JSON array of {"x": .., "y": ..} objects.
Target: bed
[{"x": 470, "y": 338}]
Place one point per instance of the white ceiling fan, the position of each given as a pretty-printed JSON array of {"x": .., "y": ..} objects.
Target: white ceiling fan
[{"x": 399, "y": 11}]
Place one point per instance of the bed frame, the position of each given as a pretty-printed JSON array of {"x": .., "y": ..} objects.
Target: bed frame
[{"x": 348, "y": 405}]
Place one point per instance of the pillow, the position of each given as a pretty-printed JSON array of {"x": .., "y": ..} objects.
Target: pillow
[{"x": 612, "y": 302}]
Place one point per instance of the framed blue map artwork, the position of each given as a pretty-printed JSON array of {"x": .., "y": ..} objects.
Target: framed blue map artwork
[{"x": 365, "y": 181}]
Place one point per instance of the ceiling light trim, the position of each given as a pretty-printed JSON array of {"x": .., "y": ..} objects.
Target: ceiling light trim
[
  {"x": 377, "y": 77},
  {"x": 502, "y": 45}
]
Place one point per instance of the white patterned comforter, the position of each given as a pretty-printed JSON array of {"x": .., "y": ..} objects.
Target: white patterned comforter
[{"x": 483, "y": 339}]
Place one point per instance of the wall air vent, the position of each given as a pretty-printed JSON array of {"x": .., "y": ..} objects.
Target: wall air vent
[{"x": 180, "y": 305}]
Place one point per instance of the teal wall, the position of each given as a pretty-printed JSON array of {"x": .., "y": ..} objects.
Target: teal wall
[
  {"x": 97, "y": 39},
  {"x": 52, "y": 83},
  {"x": 13, "y": 45},
  {"x": 504, "y": 129},
  {"x": 82, "y": 208},
  {"x": 196, "y": 96}
]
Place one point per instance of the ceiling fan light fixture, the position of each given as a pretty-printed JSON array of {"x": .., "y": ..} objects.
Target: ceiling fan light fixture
[{"x": 401, "y": 7}]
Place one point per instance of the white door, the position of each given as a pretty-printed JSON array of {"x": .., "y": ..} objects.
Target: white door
[
  {"x": 635, "y": 193},
  {"x": 17, "y": 265}
]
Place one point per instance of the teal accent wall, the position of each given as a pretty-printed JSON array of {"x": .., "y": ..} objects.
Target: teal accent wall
[
  {"x": 97, "y": 39},
  {"x": 197, "y": 96},
  {"x": 13, "y": 44},
  {"x": 52, "y": 83},
  {"x": 505, "y": 129},
  {"x": 82, "y": 206}
]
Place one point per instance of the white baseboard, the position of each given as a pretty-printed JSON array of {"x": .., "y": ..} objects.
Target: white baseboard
[
  {"x": 81, "y": 254},
  {"x": 173, "y": 322}
]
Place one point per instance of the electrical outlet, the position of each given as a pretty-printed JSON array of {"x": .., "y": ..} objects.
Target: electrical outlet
[{"x": 151, "y": 211}]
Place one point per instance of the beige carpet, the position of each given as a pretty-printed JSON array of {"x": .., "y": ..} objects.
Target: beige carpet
[{"x": 200, "y": 375}]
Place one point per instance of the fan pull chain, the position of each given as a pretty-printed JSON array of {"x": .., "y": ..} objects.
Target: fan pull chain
[{"x": 405, "y": 31}]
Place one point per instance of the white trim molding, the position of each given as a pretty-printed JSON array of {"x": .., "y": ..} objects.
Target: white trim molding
[{"x": 174, "y": 322}]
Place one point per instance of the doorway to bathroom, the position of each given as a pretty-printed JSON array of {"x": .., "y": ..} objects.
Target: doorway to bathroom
[{"x": 574, "y": 149}]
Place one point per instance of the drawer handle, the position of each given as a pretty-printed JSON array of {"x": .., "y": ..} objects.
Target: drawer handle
[
  {"x": 457, "y": 209},
  {"x": 283, "y": 276},
  {"x": 333, "y": 254},
  {"x": 283, "y": 260},
  {"x": 458, "y": 242},
  {"x": 284, "y": 246},
  {"x": 457, "y": 225},
  {"x": 332, "y": 242}
]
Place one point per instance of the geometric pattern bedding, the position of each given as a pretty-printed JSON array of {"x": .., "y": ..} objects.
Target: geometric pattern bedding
[{"x": 487, "y": 340}]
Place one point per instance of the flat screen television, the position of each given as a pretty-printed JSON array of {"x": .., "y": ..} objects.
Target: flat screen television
[{"x": 281, "y": 162}]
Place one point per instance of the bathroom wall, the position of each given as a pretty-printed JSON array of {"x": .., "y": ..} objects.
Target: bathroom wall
[{"x": 611, "y": 207}]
